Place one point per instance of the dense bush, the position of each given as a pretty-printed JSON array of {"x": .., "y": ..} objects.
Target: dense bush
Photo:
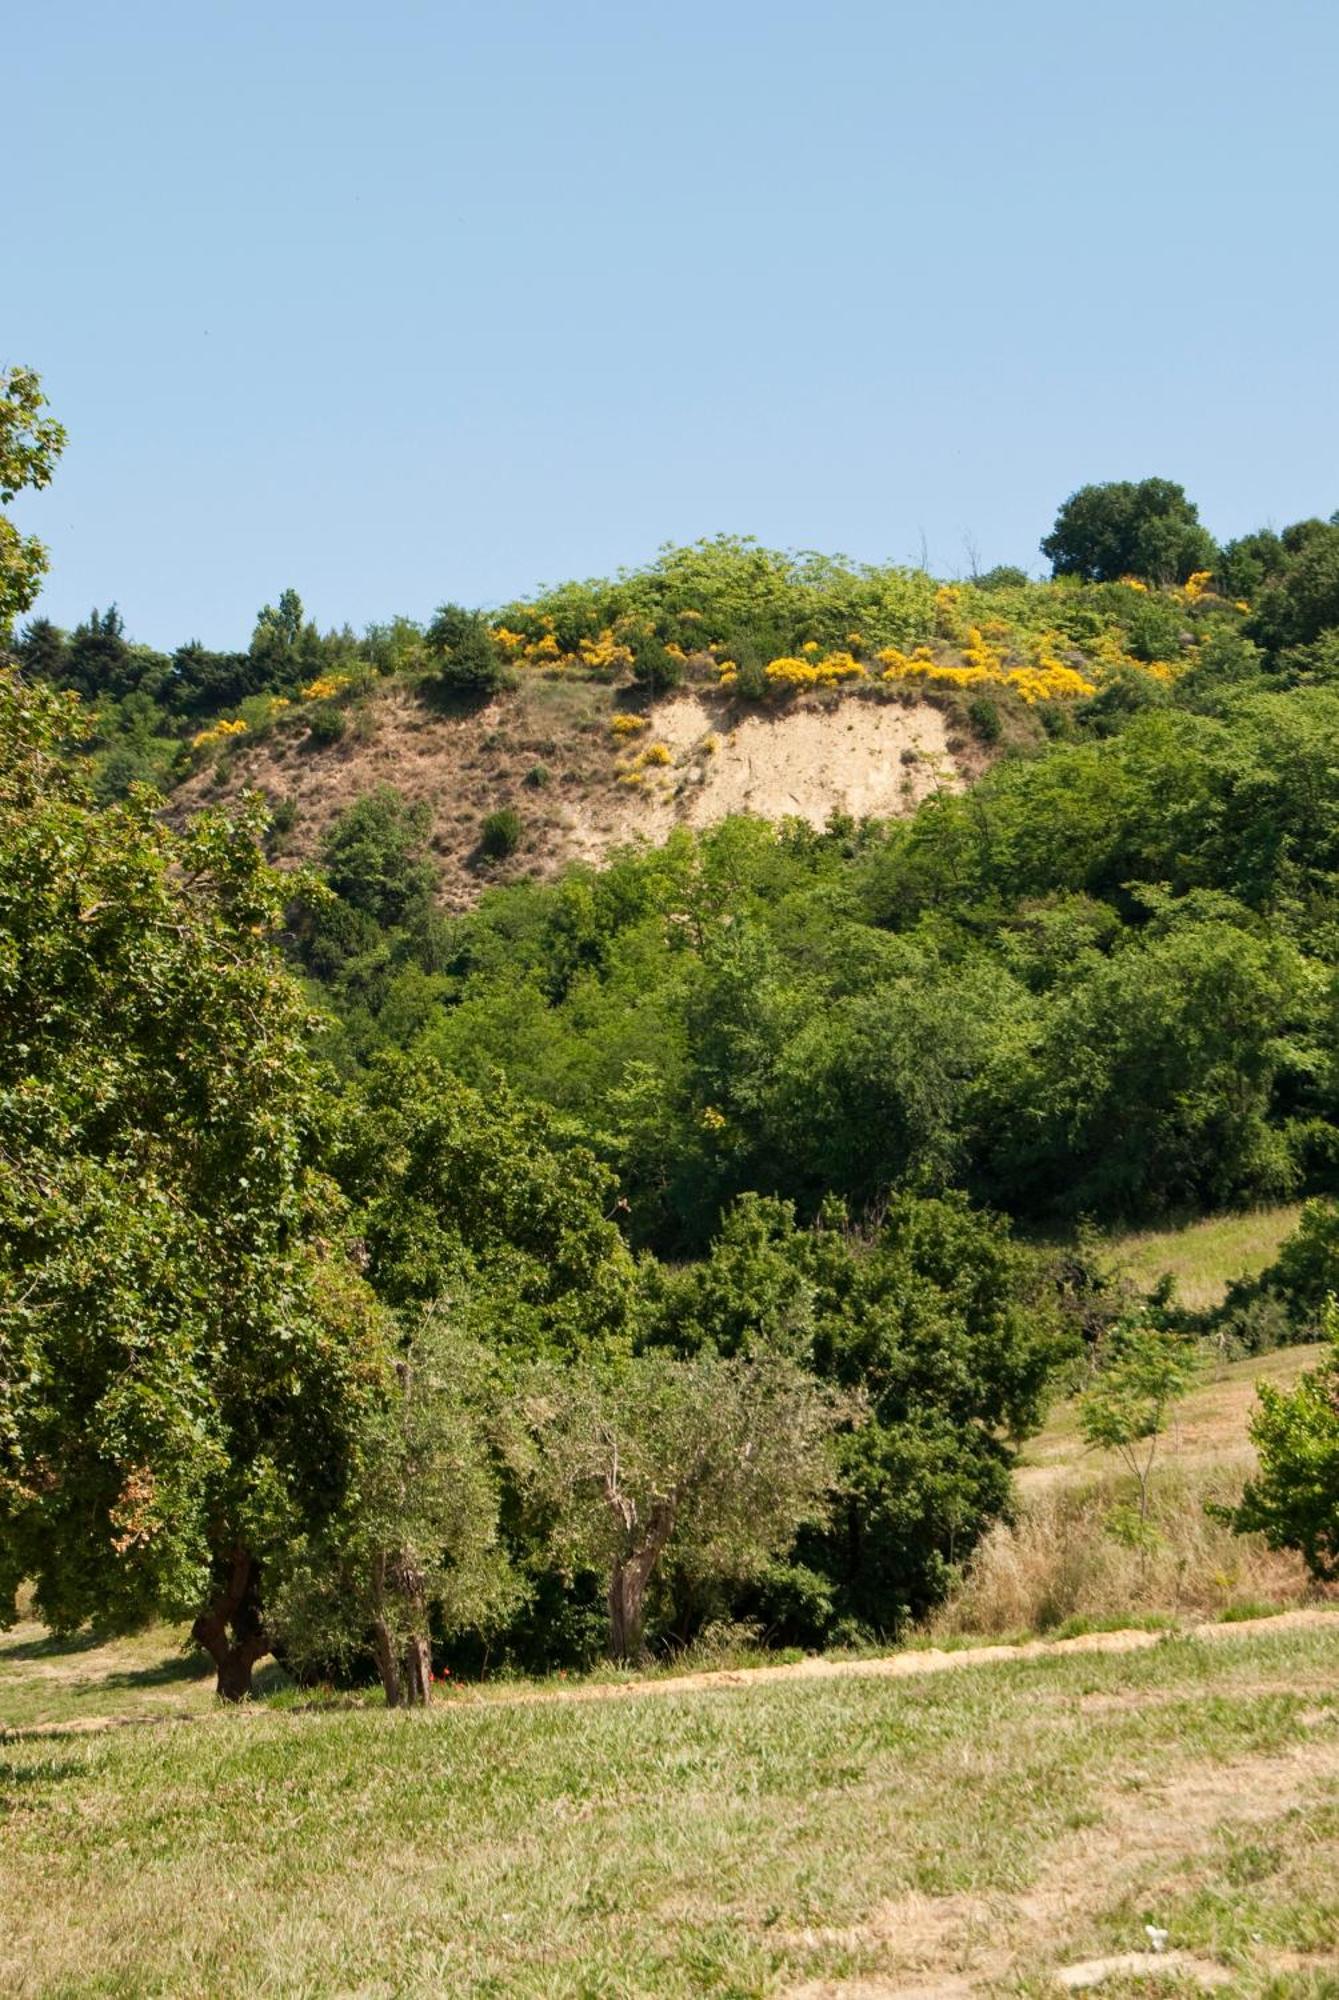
[
  {"x": 461, "y": 648},
  {"x": 500, "y": 834}
]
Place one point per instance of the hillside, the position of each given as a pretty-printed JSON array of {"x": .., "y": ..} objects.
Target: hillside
[{"x": 589, "y": 767}]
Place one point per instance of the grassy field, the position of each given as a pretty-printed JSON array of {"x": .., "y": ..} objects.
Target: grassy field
[
  {"x": 1204, "y": 1257},
  {"x": 851, "y": 1837},
  {"x": 1209, "y": 1425}
]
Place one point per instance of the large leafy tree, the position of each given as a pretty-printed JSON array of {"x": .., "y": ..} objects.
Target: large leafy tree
[
  {"x": 30, "y": 444},
  {"x": 183, "y": 1348},
  {"x": 1144, "y": 528}
]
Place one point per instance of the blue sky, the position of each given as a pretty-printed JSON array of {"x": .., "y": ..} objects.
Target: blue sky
[{"x": 412, "y": 301}]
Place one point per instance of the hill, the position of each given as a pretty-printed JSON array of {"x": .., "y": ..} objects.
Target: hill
[{"x": 588, "y": 768}]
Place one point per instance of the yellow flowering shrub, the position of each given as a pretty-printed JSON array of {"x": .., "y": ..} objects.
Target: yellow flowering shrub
[
  {"x": 1197, "y": 586},
  {"x": 218, "y": 732},
  {"x": 656, "y": 753},
  {"x": 605, "y": 655},
  {"x": 792, "y": 671},
  {"x": 627, "y": 725},
  {"x": 325, "y": 686}
]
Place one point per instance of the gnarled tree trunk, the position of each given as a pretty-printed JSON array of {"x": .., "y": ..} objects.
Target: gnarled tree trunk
[
  {"x": 232, "y": 1629},
  {"x": 631, "y": 1574}
]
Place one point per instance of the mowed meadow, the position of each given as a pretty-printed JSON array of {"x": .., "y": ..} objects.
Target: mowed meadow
[{"x": 978, "y": 1829}]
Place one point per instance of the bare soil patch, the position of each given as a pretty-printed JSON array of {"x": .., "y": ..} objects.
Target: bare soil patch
[{"x": 581, "y": 790}]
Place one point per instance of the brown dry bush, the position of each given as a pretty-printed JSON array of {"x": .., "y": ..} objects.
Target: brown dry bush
[{"x": 1063, "y": 1559}]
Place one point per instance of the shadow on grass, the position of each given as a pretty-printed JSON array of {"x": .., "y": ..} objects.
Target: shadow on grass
[{"x": 52, "y": 1647}]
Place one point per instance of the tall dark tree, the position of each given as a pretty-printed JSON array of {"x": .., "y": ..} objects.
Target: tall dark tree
[{"x": 1145, "y": 528}]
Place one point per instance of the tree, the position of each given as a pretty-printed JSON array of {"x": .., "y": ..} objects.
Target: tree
[
  {"x": 1303, "y": 602},
  {"x": 183, "y": 1345},
  {"x": 42, "y": 651},
  {"x": 715, "y": 1462},
  {"x": 453, "y": 1184},
  {"x": 1147, "y": 529},
  {"x": 1293, "y": 1500},
  {"x": 30, "y": 444},
  {"x": 463, "y": 650},
  {"x": 373, "y": 857},
  {"x": 415, "y": 1545},
  {"x": 97, "y": 658},
  {"x": 1125, "y": 1410}
]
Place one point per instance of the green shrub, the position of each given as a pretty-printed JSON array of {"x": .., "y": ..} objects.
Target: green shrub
[
  {"x": 653, "y": 667},
  {"x": 1154, "y": 628},
  {"x": 501, "y": 833},
  {"x": 326, "y": 724},
  {"x": 464, "y": 653},
  {"x": 984, "y": 716}
]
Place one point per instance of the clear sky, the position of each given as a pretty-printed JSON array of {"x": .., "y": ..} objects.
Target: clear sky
[{"x": 404, "y": 301}]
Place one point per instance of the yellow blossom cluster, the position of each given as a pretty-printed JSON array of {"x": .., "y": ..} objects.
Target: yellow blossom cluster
[
  {"x": 324, "y": 686},
  {"x": 604, "y": 654},
  {"x": 983, "y": 665},
  {"x": 1197, "y": 586},
  {"x": 655, "y": 753},
  {"x": 218, "y": 732},
  {"x": 816, "y": 671},
  {"x": 627, "y": 725}
]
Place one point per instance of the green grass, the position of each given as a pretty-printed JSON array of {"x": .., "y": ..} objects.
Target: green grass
[
  {"x": 733, "y": 1843},
  {"x": 1205, "y": 1256}
]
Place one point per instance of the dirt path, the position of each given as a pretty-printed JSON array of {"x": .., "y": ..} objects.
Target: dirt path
[
  {"x": 888, "y": 1666},
  {"x": 893, "y": 1666}
]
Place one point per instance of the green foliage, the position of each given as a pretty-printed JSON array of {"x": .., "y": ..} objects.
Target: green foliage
[
  {"x": 1303, "y": 601},
  {"x": 1145, "y": 529},
  {"x": 181, "y": 1342},
  {"x": 1305, "y": 1273},
  {"x": 500, "y": 834},
  {"x": 1293, "y": 1500},
  {"x": 1144, "y": 1372},
  {"x": 414, "y": 1547},
  {"x": 710, "y": 1463},
  {"x": 30, "y": 444},
  {"x": 463, "y": 652},
  {"x": 458, "y": 1193},
  {"x": 373, "y": 857}
]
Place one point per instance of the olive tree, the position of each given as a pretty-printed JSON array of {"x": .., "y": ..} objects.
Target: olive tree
[
  {"x": 415, "y": 1546},
  {"x": 715, "y": 1462}
]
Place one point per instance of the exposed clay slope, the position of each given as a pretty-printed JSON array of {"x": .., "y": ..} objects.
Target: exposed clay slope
[{"x": 548, "y": 749}]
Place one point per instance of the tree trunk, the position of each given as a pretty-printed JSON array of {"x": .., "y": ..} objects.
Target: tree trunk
[
  {"x": 232, "y": 1629},
  {"x": 628, "y": 1581},
  {"x": 387, "y": 1664},
  {"x": 627, "y": 1594},
  {"x": 418, "y": 1672}
]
